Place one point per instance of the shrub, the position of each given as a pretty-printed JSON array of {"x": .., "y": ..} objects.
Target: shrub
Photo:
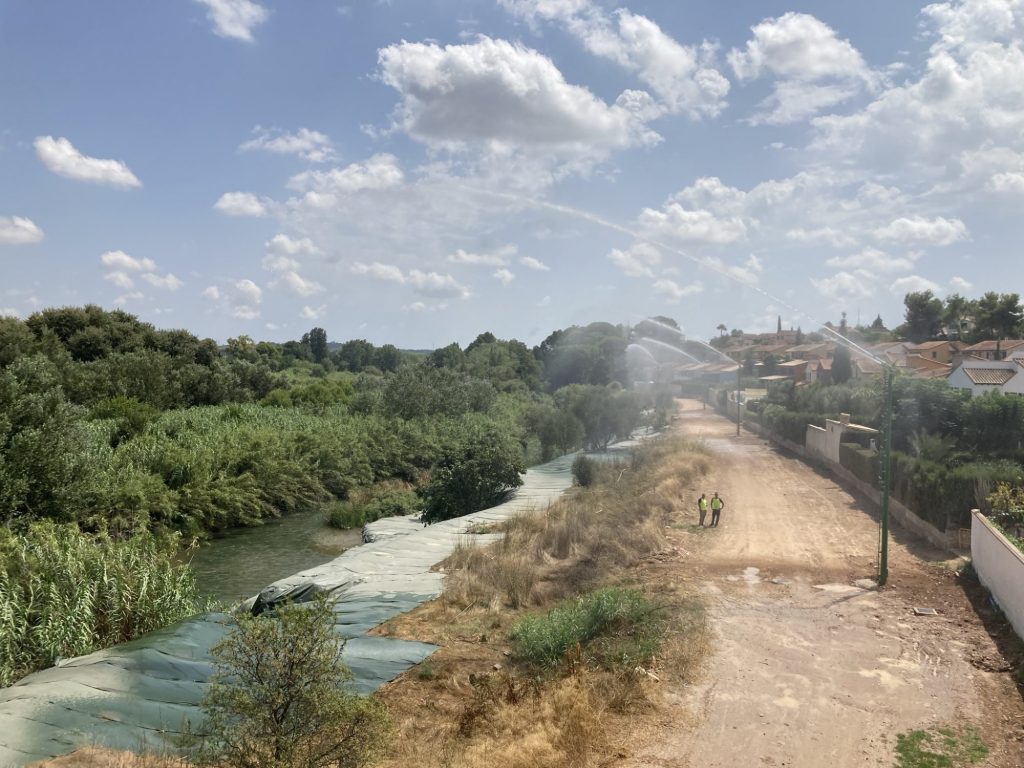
[
  {"x": 280, "y": 696},
  {"x": 584, "y": 470},
  {"x": 789, "y": 425},
  {"x": 390, "y": 499},
  {"x": 612, "y": 627},
  {"x": 862, "y": 462}
]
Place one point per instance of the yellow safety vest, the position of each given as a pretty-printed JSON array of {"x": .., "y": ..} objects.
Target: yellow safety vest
[
  {"x": 702, "y": 503},
  {"x": 717, "y": 503}
]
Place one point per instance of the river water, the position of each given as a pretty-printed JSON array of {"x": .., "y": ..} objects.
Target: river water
[{"x": 236, "y": 565}]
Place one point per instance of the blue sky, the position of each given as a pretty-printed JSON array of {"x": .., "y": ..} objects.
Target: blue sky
[{"x": 418, "y": 171}]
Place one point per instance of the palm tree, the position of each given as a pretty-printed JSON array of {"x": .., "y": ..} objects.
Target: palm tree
[{"x": 722, "y": 329}]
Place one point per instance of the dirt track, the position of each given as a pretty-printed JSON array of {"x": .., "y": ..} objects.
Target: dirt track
[{"x": 807, "y": 669}]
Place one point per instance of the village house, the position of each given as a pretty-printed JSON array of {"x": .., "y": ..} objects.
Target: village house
[
  {"x": 993, "y": 350},
  {"x": 939, "y": 351},
  {"x": 820, "y": 371}
]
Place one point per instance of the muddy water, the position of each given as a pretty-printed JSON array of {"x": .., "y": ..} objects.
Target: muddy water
[{"x": 238, "y": 564}]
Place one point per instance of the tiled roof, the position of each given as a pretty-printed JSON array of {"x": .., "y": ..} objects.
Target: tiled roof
[
  {"x": 990, "y": 346},
  {"x": 995, "y": 376},
  {"x": 792, "y": 363},
  {"x": 930, "y": 345}
]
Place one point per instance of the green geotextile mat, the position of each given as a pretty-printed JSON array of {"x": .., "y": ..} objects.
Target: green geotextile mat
[{"x": 141, "y": 694}]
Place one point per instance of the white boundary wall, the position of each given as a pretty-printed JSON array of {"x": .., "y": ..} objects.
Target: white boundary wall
[{"x": 1000, "y": 567}]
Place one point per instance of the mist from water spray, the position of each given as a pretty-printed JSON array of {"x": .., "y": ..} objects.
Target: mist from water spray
[
  {"x": 644, "y": 350},
  {"x": 669, "y": 347},
  {"x": 578, "y": 213},
  {"x": 684, "y": 338}
]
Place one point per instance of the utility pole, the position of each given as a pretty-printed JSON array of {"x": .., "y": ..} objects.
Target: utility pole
[
  {"x": 739, "y": 371},
  {"x": 889, "y": 372}
]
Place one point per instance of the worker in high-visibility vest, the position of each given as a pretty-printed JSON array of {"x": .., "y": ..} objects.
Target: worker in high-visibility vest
[
  {"x": 716, "y": 509},
  {"x": 702, "y": 507}
]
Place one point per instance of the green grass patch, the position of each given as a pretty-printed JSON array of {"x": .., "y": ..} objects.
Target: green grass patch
[
  {"x": 940, "y": 748},
  {"x": 612, "y": 627}
]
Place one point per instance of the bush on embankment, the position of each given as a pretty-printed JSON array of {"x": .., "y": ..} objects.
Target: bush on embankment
[
  {"x": 610, "y": 627},
  {"x": 392, "y": 498},
  {"x": 64, "y": 593}
]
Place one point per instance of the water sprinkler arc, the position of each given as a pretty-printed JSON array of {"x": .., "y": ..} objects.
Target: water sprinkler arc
[
  {"x": 707, "y": 263},
  {"x": 667, "y": 346},
  {"x": 642, "y": 349}
]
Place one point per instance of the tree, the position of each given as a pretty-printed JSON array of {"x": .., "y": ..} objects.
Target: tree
[
  {"x": 842, "y": 366},
  {"x": 877, "y": 324},
  {"x": 280, "y": 696},
  {"x": 957, "y": 315},
  {"x": 473, "y": 475},
  {"x": 998, "y": 316},
  {"x": 317, "y": 341},
  {"x": 923, "y": 316},
  {"x": 722, "y": 329}
]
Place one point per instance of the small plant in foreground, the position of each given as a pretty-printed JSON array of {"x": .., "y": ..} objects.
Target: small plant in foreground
[
  {"x": 280, "y": 696},
  {"x": 612, "y": 627},
  {"x": 940, "y": 748}
]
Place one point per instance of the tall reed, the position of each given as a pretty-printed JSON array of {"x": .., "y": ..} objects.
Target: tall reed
[{"x": 64, "y": 593}]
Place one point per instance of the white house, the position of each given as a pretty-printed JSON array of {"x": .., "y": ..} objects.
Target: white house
[{"x": 980, "y": 376}]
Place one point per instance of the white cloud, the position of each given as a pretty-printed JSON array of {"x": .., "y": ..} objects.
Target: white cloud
[
  {"x": 437, "y": 285},
  {"x": 312, "y": 146},
  {"x": 388, "y": 272},
  {"x": 683, "y": 77},
  {"x": 248, "y": 290},
  {"x": 297, "y": 284},
  {"x": 814, "y": 68},
  {"x": 544, "y": 302},
  {"x": 676, "y": 222},
  {"x": 845, "y": 285},
  {"x": 234, "y": 19},
  {"x": 120, "y": 279},
  {"x": 911, "y": 283},
  {"x": 313, "y": 313},
  {"x": 637, "y": 260},
  {"x": 872, "y": 260},
  {"x": 528, "y": 101},
  {"x": 917, "y": 229},
  {"x": 9, "y": 312},
  {"x": 1011, "y": 183},
  {"x": 240, "y": 204},
  {"x": 17, "y": 230},
  {"x": 504, "y": 276},
  {"x": 480, "y": 259},
  {"x": 212, "y": 292},
  {"x": 280, "y": 263},
  {"x": 281, "y": 244},
  {"x": 673, "y": 292},
  {"x": 960, "y": 284},
  {"x": 795, "y": 45},
  {"x": 129, "y": 297},
  {"x": 825, "y": 235},
  {"x": 63, "y": 159},
  {"x": 535, "y": 264},
  {"x": 119, "y": 260},
  {"x": 424, "y": 306},
  {"x": 379, "y": 172},
  {"x": 167, "y": 282}
]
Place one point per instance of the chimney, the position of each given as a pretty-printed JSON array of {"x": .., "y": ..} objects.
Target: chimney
[{"x": 844, "y": 419}]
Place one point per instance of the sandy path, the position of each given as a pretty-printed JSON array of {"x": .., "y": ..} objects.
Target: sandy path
[{"x": 808, "y": 670}]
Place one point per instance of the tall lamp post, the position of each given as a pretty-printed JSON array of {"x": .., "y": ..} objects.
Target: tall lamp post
[
  {"x": 739, "y": 370},
  {"x": 889, "y": 372}
]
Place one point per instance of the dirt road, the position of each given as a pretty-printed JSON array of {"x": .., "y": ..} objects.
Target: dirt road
[{"x": 807, "y": 669}]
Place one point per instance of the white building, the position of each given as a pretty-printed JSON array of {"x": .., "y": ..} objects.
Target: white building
[{"x": 980, "y": 376}]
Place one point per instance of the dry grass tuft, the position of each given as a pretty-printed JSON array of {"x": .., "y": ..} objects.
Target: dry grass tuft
[{"x": 562, "y": 551}]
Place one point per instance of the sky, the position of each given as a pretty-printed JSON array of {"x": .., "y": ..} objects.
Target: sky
[{"x": 419, "y": 171}]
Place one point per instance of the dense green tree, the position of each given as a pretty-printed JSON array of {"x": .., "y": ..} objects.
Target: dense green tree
[
  {"x": 923, "y": 318},
  {"x": 316, "y": 339},
  {"x": 387, "y": 358},
  {"x": 998, "y": 316},
  {"x": 842, "y": 365},
  {"x": 474, "y": 474}
]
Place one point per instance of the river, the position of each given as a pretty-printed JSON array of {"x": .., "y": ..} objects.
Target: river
[{"x": 236, "y": 565}]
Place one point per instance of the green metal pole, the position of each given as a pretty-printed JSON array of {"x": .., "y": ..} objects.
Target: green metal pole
[
  {"x": 739, "y": 371},
  {"x": 883, "y": 559}
]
